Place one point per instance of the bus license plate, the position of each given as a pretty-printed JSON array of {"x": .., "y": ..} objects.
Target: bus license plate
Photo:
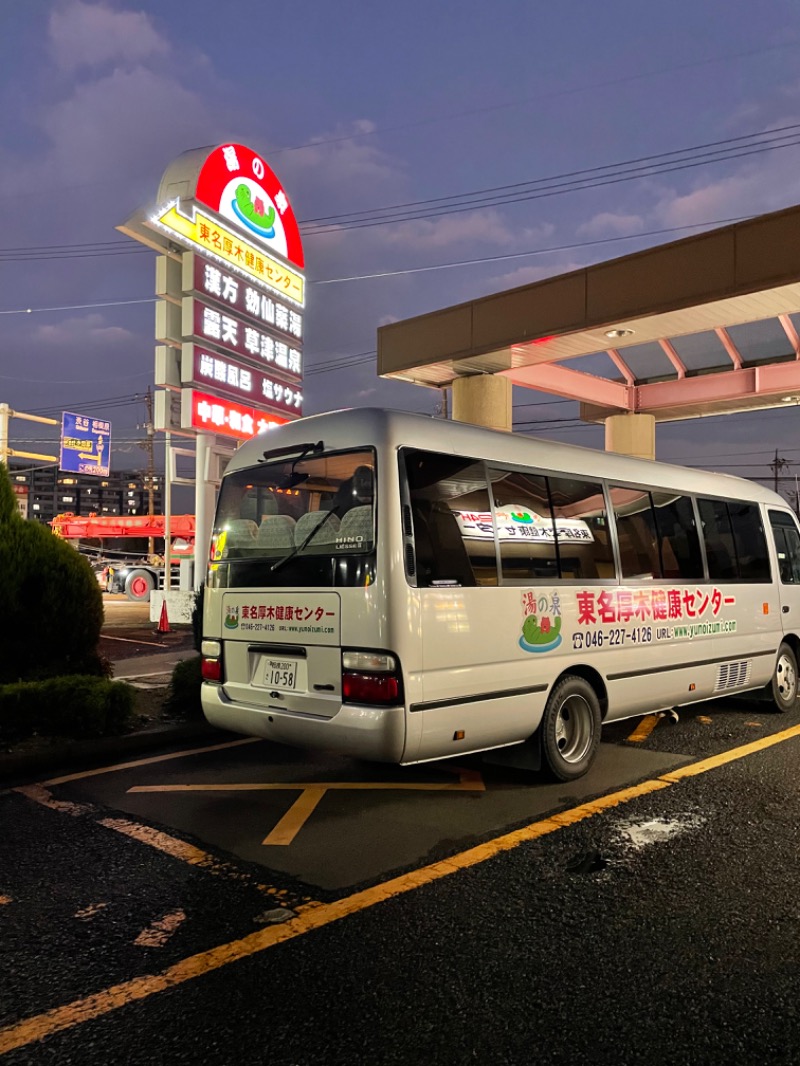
[{"x": 281, "y": 674}]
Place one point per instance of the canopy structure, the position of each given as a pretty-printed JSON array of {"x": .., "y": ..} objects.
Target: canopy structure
[{"x": 706, "y": 325}]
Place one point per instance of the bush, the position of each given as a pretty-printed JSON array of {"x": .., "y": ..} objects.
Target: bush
[
  {"x": 52, "y": 606},
  {"x": 76, "y": 707},
  {"x": 183, "y": 698}
]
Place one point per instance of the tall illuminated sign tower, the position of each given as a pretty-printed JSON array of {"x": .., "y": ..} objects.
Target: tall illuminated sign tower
[{"x": 230, "y": 302}]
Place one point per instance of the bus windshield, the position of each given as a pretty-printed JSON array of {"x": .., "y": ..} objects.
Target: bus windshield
[{"x": 301, "y": 522}]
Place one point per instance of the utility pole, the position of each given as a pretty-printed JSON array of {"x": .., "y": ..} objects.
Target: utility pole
[{"x": 776, "y": 466}]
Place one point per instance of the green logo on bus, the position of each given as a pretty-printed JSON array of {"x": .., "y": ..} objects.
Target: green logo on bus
[
  {"x": 232, "y": 618},
  {"x": 540, "y": 634}
]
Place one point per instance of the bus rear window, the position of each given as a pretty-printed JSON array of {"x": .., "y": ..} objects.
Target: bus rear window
[{"x": 293, "y": 521}]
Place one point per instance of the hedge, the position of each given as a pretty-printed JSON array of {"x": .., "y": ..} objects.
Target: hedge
[
  {"x": 79, "y": 707},
  {"x": 183, "y": 698},
  {"x": 52, "y": 606}
]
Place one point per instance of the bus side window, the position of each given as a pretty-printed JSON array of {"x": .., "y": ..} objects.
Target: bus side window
[
  {"x": 678, "y": 539},
  {"x": 452, "y": 523},
  {"x": 787, "y": 544},
  {"x": 736, "y": 547},
  {"x": 636, "y": 532},
  {"x": 581, "y": 524}
]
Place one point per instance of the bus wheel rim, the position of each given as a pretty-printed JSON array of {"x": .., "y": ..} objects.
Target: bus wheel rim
[
  {"x": 574, "y": 729},
  {"x": 786, "y": 677}
]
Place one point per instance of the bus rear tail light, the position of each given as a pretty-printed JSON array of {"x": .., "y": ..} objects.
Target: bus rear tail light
[
  {"x": 371, "y": 677},
  {"x": 211, "y": 666}
]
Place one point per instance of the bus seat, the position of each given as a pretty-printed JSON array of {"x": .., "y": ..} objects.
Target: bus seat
[
  {"x": 309, "y": 521},
  {"x": 241, "y": 532},
  {"x": 357, "y": 523},
  {"x": 268, "y": 504},
  {"x": 276, "y": 531}
]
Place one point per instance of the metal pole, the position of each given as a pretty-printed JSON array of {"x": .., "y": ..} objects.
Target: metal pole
[
  {"x": 167, "y": 497},
  {"x": 5, "y": 414},
  {"x": 203, "y": 509}
]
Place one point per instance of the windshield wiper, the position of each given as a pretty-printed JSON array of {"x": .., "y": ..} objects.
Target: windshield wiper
[
  {"x": 303, "y": 449},
  {"x": 307, "y": 541}
]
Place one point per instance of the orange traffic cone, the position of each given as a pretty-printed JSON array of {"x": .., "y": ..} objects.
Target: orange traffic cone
[{"x": 163, "y": 622}]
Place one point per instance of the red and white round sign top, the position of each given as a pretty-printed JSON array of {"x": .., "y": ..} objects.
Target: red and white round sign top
[{"x": 236, "y": 183}]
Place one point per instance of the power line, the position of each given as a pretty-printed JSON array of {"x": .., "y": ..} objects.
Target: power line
[
  {"x": 561, "y": 184},
  {"x": 571, "y": 175},
  {"x": 418, "y": 270},
  {"x": 495, "y": 196}
]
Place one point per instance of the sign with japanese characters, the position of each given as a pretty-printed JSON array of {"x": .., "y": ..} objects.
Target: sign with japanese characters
[
  {"x": 221, "y": 328},
  {"x": 222, "y": 286},
  {"x": 623, "y": 617},
  {"x": 286, "y": 618},
  {"x": 520, "y": 523},
  {"x": 231, "y": 291},
  {"x": 214, "y": 414},
  {"x": 222, "y": 373},
  {"x": 85, "y": 445},
  {"x": 205, "y": 233},
  {"x": 237, "y": 184}
]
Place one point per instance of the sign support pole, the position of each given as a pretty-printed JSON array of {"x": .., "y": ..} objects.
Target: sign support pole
[{"x": 203, "y": 505}]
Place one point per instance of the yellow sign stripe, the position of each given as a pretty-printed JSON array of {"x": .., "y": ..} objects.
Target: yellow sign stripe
[
  {"x": 94, "y": 1006},
  {"x": 211, "y": 236}
]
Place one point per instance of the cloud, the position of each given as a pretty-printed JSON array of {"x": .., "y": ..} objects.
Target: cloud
[
  {"x": 466, "y": 228},
  {"x": 728, "y": 198},
  {"x": 350, "y": 165},
  {"x": 93, "y": 35},
  {"x": 610, "y": 222},
  {"x": 82, "y": 332},
  {"x": 93, "y": 125}
]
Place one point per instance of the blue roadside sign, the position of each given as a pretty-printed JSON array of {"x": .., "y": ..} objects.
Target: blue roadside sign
[{"x": 85, "y": 445}]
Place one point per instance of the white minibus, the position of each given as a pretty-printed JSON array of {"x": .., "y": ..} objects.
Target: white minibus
[{"x": 402, "y": 588}]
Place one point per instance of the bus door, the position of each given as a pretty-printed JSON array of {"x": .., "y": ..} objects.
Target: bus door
[{"x": 786, "y": 537}]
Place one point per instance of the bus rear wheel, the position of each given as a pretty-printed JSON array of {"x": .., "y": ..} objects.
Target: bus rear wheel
[
  {"x": 570, "y": 728},
  {"x": 784, "y": 680}
]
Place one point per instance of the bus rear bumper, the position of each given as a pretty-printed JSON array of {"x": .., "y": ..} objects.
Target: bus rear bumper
[{"x": 377, "y": 734}]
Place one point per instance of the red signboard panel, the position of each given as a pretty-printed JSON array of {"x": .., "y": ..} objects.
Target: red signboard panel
[{"x": 214, "y": 414}]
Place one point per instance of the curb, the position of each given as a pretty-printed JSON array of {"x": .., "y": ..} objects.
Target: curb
[{"x": 86, "y": 754}]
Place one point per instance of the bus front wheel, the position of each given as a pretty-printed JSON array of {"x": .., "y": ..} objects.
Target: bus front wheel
[
  {"x": 570, "y": 728},
  {"x": 784, "y": 680}
]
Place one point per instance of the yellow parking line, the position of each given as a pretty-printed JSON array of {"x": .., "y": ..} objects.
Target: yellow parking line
[
  {"x": 158, "y": 933},
  {"x": 295, "y": 818},
  {"x": 296, "y": 786},
  {"x": 4, "y": 900},
  {"x": 139, "y": 988},
  {"x": 644, "y": 728},
  {"x": 148, "y": 762},
  {"x": 724, "y": 757}
]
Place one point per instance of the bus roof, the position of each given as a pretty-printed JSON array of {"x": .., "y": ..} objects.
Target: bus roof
[{"x": 364, "y": 426}]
